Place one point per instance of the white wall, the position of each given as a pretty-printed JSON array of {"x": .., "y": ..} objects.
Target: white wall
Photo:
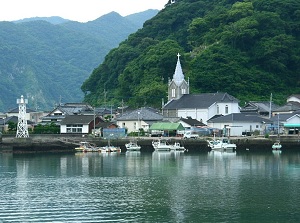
[{"x": 236, "y": 129}]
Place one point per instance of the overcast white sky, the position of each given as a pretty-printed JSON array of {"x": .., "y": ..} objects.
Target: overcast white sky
[{"x": 76, "y": 10}]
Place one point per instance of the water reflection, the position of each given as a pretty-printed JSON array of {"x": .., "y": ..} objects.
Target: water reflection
[{"x": 217, "y": 186}]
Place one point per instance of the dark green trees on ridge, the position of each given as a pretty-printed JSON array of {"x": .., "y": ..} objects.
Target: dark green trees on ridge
[{"x": 248, "y": 49}]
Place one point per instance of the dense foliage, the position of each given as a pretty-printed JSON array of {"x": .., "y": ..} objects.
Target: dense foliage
[
  {"x": 48, "y": 63},
  {"x": 249, "y": 49}
]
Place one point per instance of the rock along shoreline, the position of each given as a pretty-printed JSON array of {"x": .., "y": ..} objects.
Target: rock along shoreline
[{"x": 67, "y": 144}]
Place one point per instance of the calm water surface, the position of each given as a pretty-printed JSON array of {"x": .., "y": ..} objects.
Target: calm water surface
[{"x": 150, "y": 187}]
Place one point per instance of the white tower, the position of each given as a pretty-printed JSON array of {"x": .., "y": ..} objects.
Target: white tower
[{"x": 22, "y": 129}]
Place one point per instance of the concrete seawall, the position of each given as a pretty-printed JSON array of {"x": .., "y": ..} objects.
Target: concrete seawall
[{"x": 61, "y": 143}]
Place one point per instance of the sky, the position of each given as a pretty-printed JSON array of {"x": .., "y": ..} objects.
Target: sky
[{"x": 76, "y": 10}]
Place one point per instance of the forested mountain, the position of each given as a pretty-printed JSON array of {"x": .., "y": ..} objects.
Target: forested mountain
[
  {"x": 249, "y": 49},
  {"x": 47, "y": 63}
]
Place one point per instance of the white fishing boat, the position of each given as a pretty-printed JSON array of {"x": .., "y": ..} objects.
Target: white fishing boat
[
  {"x": 132, "y": 146},
  {"x": 86, "y": 147},
  {"x": 161, "y": 145},
  {"x": 224, "y": 143},
  {"x": 109, "y": 148},
  {"x": 176, "y": 146},
  {"x": 276, "y": 146}
]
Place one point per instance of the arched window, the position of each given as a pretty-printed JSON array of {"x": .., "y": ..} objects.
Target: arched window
[
  {"x": 218, "y": 109},
  {"x": 226, "y": 109}
]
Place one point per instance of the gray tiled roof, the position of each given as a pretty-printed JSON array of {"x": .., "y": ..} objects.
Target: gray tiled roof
[
  {"x": 199, "y": 100},
  {"x": 262, "y": 106},
  {"x": 290, "y": 106},
  {"x": 146, "y": 114},
  {"x": 192, "y": 122},
  {"x": 240, "y": 117},
  {"x": 77, "y": 119}
]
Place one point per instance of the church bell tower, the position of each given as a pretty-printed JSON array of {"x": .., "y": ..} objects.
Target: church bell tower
[{"x": 178, "y": 86}]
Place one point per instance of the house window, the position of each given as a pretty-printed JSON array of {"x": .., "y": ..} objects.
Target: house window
[
  {"x": 218, "y": 109},
  {"x": 134, "y": 125},
  {"x": 173, "y": 93},
  {"x": 74, "y": 128},
  {"x": 226, "y": 109},
  {"x": 183, "y": 91}
]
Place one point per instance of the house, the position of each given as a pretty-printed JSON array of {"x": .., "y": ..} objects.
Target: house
[
  {"x": 289, "y": 107},
  {"x": 4, "y": 123},
  {"x": 138, "y": 119},
  {"x": 201, "y": 107},
  {"x": 61, "y": 111},
  {"x": 239, "y": 124},
  {"x": 31, "y": 115},
  {"x": 288, "y": 123},
  {"x": 294, "y": 98},
  {"x": 104, "y": 125},
  {"x": 260, "y": 107},
  {"x": 78, "y": 124}
]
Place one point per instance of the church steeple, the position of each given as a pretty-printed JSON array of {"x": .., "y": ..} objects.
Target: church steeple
[
  {"x": 178, "y": 76},
  {"x": 178, "y": 86}
]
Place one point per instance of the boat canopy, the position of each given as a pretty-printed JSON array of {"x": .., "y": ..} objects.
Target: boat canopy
[{"x": 166, "y": 126}]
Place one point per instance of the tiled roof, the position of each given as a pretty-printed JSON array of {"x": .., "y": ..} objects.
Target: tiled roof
[
  {"x": 16, "y": 110},
  {"x": 262, "y": 106},
  {"x": 192, "y": 122},
  {"x": 199, "y": 100},
  {"x": 146, "y": 114},
  {"x": 77, "y": 119},
  {"x": 290, "y": 106},
  {"x": 240, "y": 117}
]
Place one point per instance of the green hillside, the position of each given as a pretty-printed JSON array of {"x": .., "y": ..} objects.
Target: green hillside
[
  {"x": 249, "y": 49},
  {"x": 47, "y": 63}
]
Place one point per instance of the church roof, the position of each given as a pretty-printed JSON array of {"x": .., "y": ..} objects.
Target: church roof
[
  {"x": 200, "y": 100},
  {"x": 178, "y": 76}
]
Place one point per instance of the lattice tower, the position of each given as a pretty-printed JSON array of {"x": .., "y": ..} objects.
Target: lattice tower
[{"x": 22, "y": 128}]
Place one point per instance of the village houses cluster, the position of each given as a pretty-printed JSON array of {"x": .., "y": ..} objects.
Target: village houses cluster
[{"x": 205, "y": 114}]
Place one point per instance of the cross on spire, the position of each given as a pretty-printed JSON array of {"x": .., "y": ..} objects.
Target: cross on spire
[{"x": 178, "y": 55}]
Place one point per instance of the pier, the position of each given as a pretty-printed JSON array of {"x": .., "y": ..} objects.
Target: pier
[{"x": 62, "y": 143}]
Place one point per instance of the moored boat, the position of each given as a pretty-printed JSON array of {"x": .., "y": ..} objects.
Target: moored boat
[
  {"x": 176, "y": 146},
  {"x": 221, "y": 144},
  {"x": 276, "y": 146},
  {"x": 161, "y": 145},
  {"x": 86, "y": 147},
  {"x": 132, "y": 146}
]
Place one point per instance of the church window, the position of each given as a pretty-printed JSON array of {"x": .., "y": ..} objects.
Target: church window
[
  {"x": 183, "y": 91},
  {"x": 173, "y": 93}
]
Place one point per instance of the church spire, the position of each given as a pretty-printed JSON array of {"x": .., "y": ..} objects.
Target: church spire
[{"x": 178, "y": 76}]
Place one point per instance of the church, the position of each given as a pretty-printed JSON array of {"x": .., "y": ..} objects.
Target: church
[{"x": 202, "y": 107}]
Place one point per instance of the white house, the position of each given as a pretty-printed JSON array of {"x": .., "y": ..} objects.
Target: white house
[
  {"x": 78, "y": 124},
  {"x": 139, "y": 119},
  {"x": 238, "y": 124}
]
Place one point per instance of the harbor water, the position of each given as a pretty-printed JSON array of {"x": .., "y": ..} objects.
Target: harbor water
[{"x": 214, "y": 186}]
